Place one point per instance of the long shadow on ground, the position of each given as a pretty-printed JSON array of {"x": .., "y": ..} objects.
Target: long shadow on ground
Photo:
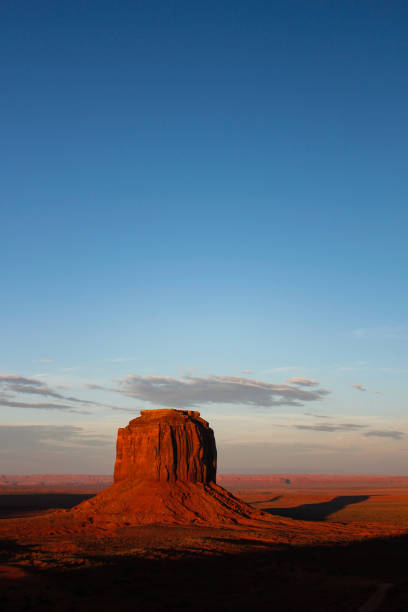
[
  {"x": 320, "y": 511},
  {"x": 17, "y": 505},
  {"x": 266, "y": 501}
]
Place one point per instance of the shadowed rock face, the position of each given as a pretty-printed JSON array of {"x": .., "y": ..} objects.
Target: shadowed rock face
[{"x": 166, "y": 445}]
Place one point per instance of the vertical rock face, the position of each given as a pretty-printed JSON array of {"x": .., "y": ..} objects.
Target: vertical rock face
[
  {"x": 164, "y": 474},
  {"x": 166, "y": 445}
]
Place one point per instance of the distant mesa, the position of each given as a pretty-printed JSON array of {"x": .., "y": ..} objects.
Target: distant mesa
[{"x": 165, "y": 472}]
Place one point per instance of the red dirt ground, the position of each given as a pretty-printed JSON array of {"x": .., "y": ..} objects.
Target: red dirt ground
[{"x": 321, "y": 547}]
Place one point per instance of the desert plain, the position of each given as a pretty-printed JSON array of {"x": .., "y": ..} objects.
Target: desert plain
[{"x": 328, "y": 543}]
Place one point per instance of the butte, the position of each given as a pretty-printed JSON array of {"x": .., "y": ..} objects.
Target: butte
[{"x": 165, "y": 473}]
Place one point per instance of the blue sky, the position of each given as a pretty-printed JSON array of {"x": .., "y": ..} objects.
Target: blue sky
[{"x": 203, "y": 191}]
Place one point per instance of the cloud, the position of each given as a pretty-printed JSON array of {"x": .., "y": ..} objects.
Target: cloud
[
  {"x": 94, "y": 387},
  {"x": 135, "y": 411},
  {"x": 19, "y": 380},
  {"x": 303, "y": 382},
  {"x": 53, "y": 437},
  {"x": 43, "y": 361},
  {"x": 59, "y": 449},
  {"x": 359, "y": 387},
  {"x": 318, "y": 416},
  {"x": 362, "y": 388},
  {"x": 383, "y": 433},
  {"x": 246, "y": 371},
  {"x": 11, "y": 403},
  {"x": 31, "y": 386},
  {"x": 193, "y": 391},
  {"x": 331, "y": 428},
  {"x": 33, "y": 390},
  {"x": 22, "y": 384}
]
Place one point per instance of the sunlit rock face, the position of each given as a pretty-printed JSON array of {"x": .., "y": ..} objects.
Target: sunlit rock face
[
  {"x": 164, "y": 475},
  {"x": 166, "y": 445}
]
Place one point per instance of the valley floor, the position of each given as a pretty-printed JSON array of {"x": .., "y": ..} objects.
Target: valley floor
[{"x": 334, "y": 549}]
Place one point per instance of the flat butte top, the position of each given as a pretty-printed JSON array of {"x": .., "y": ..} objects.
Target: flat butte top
[{"x": 168, "y": 415}]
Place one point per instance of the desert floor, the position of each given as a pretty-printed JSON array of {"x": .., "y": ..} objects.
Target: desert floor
[{"x": 334, "y": 549}]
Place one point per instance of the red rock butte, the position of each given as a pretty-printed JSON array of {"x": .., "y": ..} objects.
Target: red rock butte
[
  {"x": 165, "y": 472},
  {"x": 166, "y": 445}
]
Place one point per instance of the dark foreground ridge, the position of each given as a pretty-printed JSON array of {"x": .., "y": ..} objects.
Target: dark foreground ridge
[{"x": 165, "y": 569}]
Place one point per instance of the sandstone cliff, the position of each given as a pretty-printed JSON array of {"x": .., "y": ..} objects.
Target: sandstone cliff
[
  {"x": 165, "y": 472},
  {"x": 166, "y": 445}
]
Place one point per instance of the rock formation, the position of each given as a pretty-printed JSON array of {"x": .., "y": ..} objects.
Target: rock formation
[
  {"x": 165, "y": 472},
  {"x": 166, "y": 445}
]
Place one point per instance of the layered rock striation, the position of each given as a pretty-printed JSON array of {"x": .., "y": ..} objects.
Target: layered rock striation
[{"x": 166, "y": 445}]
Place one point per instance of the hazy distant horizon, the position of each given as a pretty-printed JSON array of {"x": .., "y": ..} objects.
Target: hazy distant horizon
[{"x": 232, "y": 475}]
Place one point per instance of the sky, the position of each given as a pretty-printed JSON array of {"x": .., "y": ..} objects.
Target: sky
[{"x": 204, "y": 205}]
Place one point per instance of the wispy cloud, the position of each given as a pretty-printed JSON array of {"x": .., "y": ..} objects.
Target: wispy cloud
[
  {"x": 12, "y": 403},
  {"x": 94, "y": 387},
  {"x": 43, "y": 361},
  {"x": 32, "y": 386},
  {"x": 134, "y": 411},
  {"x": 51, "y": 437},
  {"x": 362, "y": 388},
  {"x": 192, "y": 391},
  {"x": 22, "y": 384},
  {"x": 384, "y": 433},
  {"x": 41, "y": 449},
  {"x": 246, "y": 371},
  {"x": 359, "y": 387},
  {"x": 331, "y": 428},
  {"x": 303, "y": 382},
  {"x": 12, "y": 384}
]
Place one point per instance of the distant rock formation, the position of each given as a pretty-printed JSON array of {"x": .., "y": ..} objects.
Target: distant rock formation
[
  {"x": 165, "y": 472},
  {"x": 166, "y": 445}
]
